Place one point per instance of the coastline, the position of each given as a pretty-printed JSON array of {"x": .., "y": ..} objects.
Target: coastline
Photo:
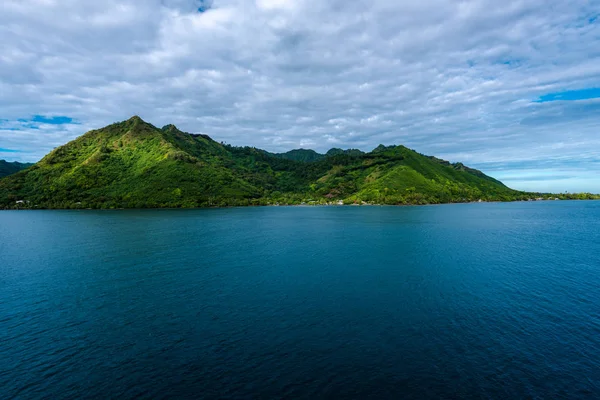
[{"x": 284, "y": 205}]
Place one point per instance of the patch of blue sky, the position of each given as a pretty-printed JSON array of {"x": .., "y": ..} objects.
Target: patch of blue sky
[
  {"x": 204, "y": 5},
  {"x": 547, "y": 164},
  {"x": 56, "y": 120},
  {"x": 25, "y": 124},
  {"x": 555, "y": 180},
  {"x": 3, "y": 150},
  {"x": 34, "y": 122},
  {"x": 511, "y": 62},
  {"x": 535, "y": 178},
  {"x": 571, "y": 95}
]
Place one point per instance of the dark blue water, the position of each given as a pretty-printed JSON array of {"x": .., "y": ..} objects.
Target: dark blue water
[{"x": 473, "y": 300}]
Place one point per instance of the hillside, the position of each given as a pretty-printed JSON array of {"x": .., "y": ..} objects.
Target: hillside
[
  {"x": 135, "y": 164},
  {"x": 308, "y": 155},
  {"x": 305, "y": 155},
  {"x": 9, "y": 168}
]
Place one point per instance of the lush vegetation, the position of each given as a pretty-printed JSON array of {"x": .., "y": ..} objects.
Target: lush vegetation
[
  {"x": 133, "y": 164},
  {"x": 9, "y": 168},
  {"x": 305, "y": 155}
]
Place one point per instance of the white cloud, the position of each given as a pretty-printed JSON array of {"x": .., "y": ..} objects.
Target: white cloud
[
  {"x": 276, "y": 4},
  {"x": 453, "y": 79}
]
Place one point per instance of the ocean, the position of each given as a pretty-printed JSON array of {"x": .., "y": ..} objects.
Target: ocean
[{"x": 491, "y": 300}]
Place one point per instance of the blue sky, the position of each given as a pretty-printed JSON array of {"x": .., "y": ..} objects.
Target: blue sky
[
  {"x": 511, "y": 90},
  {"x": 571, "y": 95}
]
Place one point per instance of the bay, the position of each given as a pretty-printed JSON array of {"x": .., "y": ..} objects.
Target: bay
[{"x": 497, "y": 300}]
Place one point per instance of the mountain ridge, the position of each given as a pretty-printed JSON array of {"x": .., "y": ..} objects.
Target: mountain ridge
[
  {"x": 134, "y": 164},
  {"x": 9, "y": 168}
]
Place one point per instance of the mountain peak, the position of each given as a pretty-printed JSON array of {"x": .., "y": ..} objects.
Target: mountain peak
[
  {"x": 135, "y": 118},
  {"x": 379, "y": 149},
  {"x": 171, "y": 128},
  {"x": 136, "y": 122}
]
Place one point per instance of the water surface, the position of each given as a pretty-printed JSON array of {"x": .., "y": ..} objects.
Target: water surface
[{"x": 478, "y": 300}]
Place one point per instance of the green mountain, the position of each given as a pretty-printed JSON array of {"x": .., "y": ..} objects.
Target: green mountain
[
  {"x": 9, "y": 168},
  {"x": 305, "y": 155},
  {"x": 336, "y": 151},
  {"x": 135, "y": 164}
]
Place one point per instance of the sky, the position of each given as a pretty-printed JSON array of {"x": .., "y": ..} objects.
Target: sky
[{"x": 511, "y": 88}]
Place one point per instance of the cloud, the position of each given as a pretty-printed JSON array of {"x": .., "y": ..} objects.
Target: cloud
[{"x": 459, "y": 80}]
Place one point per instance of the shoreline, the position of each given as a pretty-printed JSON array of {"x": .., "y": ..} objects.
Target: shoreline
[{"x": 288, "y": 205}]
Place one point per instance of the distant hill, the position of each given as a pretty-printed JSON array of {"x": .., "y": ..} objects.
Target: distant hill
[
  {"x": 9, "y": 168},
  {"x": 307, "y": 155},
  {"x": 135, "y": 164},
  {"x": 350, "y": 152},
  {"x": 304, "y": 155}
]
